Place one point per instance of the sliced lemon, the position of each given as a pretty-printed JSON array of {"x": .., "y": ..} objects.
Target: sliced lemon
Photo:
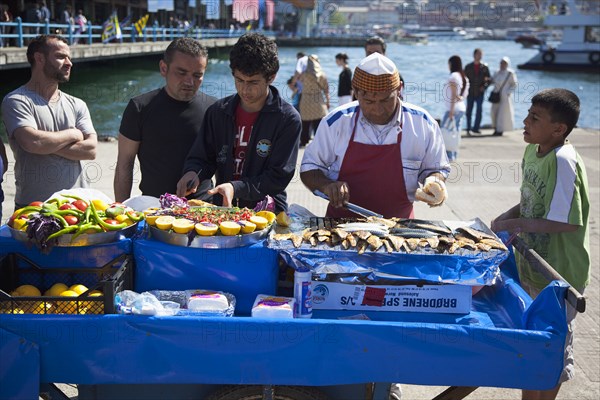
[
  {"x": 283, "y": 219},
  {"x": 270, "y": 216},
  {"x": 56, "y": 289},
  {"x": 230, "y": 228},
  {"x": 151, "y": 219},
  {"x": 260, "y": 222},
  {"x": 165, "y": 222},
  {"x": 206, "y": 228},
  {"x": 247, "y": 226},
  {"x": 182, "y": 225}
]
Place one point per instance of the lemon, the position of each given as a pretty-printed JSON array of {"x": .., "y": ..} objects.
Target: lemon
[
  {"x": 90, "y": 305},
  {"x": 165, "y": 222},
  {"x": 283, "y": 219},
  {"x": 182, "y": 225},
  {"x": 270, "y": 216},
  {"x": 151, "y": 219},
  {"x": 260, "y": 222},
  {"x": 230, "y": 228},
  {"x": 151, "y": 210},
  {"x": 69, "y": 293},
  {"x": 56, "y": 289},
  {"x": 206, "y": 228},
  {"x": 78, "y": 289},
  {"x": 42, "y": 307},
  {"x": 247, "y": 226},
  {"x": 26, "y": 291},
  {"x": 100, "y": 205}
]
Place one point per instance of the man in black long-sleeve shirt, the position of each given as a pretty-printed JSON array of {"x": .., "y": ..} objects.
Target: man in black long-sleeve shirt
[{"x": 479, "y": 79}]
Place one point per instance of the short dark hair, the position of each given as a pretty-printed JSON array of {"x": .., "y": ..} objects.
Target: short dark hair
[
  {"x": 39, "y": 44},
  {"x": 477, "y": 50},
  {"x": 341, "y": 56},
  {"x": 185, "y": 45},
  {"x": 376, "y": 40},
  {"x": 561, "y": 104},
  {"x": 254, "y": 53},
  {"x": 300, "y": 54}
]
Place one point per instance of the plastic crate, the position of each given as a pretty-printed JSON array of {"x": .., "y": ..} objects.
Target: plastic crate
[{"x": 17, "y": 270}]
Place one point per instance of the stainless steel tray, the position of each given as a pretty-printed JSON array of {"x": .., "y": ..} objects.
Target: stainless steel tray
[
  {"x": 209, "y": 242},
  {"x": 84, "y": 239}
]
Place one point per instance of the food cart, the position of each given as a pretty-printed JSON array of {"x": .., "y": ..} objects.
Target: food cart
[{"x": 506, "y": 340}]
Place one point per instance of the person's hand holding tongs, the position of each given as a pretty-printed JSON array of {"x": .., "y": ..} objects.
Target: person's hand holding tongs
[{"x": 338, "y": 195}]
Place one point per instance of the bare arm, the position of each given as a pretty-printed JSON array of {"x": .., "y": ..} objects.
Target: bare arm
[
  {"x": 83, "y": 150},
  {"x": 42, "y": 142},
  {"x": 511, "y": 213},
  {"x": 124, "y": 171},
  {"x": 453, "y": 98},
  {"x": 533, "y": 225}
]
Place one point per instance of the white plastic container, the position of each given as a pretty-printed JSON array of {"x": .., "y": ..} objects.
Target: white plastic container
[{"x": 303, "y": 293}]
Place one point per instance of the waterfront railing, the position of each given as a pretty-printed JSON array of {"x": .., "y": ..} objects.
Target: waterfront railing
[{"x": 18, "y": 32}]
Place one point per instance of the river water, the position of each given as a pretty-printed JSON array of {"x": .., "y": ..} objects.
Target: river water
[{"x": 108, "y": 87}]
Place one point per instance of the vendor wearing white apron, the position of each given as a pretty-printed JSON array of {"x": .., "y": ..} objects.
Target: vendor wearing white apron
[{"x": 377, "y": 151}]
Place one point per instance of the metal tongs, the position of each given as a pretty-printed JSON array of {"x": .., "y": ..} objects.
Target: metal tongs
[{"x": 352, "y": 207}]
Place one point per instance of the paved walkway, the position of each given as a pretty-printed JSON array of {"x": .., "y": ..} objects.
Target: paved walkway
[{"x": 485, "y": 182}]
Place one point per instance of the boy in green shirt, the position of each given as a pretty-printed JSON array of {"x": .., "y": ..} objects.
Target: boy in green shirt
[{"x": 552, "y": 217}]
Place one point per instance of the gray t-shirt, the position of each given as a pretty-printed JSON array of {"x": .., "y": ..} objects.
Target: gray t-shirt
[{"x": 38, "y": 176}]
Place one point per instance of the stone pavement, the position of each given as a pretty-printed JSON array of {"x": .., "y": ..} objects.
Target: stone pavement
[{"x": 484, "y": 183}]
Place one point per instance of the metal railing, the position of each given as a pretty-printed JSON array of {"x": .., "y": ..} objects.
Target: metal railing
[{"x": 21, "y": 31}]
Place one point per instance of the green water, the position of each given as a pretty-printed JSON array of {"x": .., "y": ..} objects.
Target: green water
[{"x": 108, "y": 86}]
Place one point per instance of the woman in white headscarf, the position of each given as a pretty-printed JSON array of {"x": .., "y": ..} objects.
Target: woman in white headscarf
[
  {"x": 503, "y": 113},
  {"x": 314, "y": 101}
]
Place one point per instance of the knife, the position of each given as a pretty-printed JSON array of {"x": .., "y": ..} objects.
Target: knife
[{"x": 352, "y": 207}]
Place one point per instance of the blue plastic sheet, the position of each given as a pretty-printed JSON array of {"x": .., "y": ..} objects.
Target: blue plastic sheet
[
  {"x": 244, "y": 272},
  {"x": 429, "y": 349},
  {"x": 19, "y": 367}
]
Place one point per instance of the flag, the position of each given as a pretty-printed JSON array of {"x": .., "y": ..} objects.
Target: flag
[
  {"x": 111, "y": 29},
  {"x": 141, "y": 24}
]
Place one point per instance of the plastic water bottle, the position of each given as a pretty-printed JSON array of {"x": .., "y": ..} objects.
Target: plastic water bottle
[{"x": 303, "y": 293}]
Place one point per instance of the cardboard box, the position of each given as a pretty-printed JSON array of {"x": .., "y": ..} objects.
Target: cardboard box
[{"x": 454, "y": 299}]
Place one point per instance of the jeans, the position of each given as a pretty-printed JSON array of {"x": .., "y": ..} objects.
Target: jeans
[
  {"x": 470, "y": 101},
  {"x": 452, "y": 155}
]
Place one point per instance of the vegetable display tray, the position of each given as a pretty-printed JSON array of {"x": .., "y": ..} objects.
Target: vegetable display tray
[
  {"x": 84, "y": 239},
  {"x": 208, "y": 242},
  {"x": 16, "y": 270}
]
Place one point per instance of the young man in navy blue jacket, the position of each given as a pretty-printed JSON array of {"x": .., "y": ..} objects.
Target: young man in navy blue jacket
[{"x": 249, "y": 141}]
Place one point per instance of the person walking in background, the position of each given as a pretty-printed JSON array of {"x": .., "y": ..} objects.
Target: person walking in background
[
  {"x": 479, "y": 78},
  {"x": 4, "y": 17},
  {"x": 249, "y": 140},
  {"x": 49, "y": 131},
  {"x": 301, "y": 63},
  {"x": 503, "y": 113},
  {"x": 80, "y": 26},
  {"x": 67, "y": 19},
  {"x": 345, "y": 80},
  {"x": 160, "y": 127},
  {"x": 294, "y": 95},
  {"x": 44, "y": 15},
  {"x": 454, "y": 96},
  {"x": 314, "y": 102},
  {"x": 552, "y": 217}
]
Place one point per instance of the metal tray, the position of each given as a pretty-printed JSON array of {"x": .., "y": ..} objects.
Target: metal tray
[
  {"x": 84, "y": 239},
  {"x": 209, "y": 242}
]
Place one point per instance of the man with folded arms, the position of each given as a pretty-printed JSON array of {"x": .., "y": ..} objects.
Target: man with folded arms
[{"x": 376, "y": 152}]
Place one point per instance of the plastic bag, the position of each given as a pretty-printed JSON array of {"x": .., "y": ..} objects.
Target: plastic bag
[{"x": 451, "y": 134}]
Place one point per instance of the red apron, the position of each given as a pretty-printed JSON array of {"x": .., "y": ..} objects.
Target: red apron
[{"x": 375, "y": 176}]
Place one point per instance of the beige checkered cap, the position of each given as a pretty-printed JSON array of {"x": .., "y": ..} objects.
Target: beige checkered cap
[{"x": 376, "y": 73}]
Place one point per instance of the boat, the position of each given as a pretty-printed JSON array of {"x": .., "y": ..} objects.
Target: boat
[
  {"x": 403, "y": 37},
  {"x": 529, "y": 41},
  {"x": 579, "y": 49}
]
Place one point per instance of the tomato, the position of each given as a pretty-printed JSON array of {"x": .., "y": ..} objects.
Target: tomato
[
  {"x": 71, "y": 219},
  {"x": 80, "y": 205},
  {"x": 36, "y": 203},
  {"x": 67, "y": 206},
  {"x": 112, "y": 222}
]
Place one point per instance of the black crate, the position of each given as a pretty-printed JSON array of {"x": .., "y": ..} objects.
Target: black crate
[{"x": 17, "y": 270}]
